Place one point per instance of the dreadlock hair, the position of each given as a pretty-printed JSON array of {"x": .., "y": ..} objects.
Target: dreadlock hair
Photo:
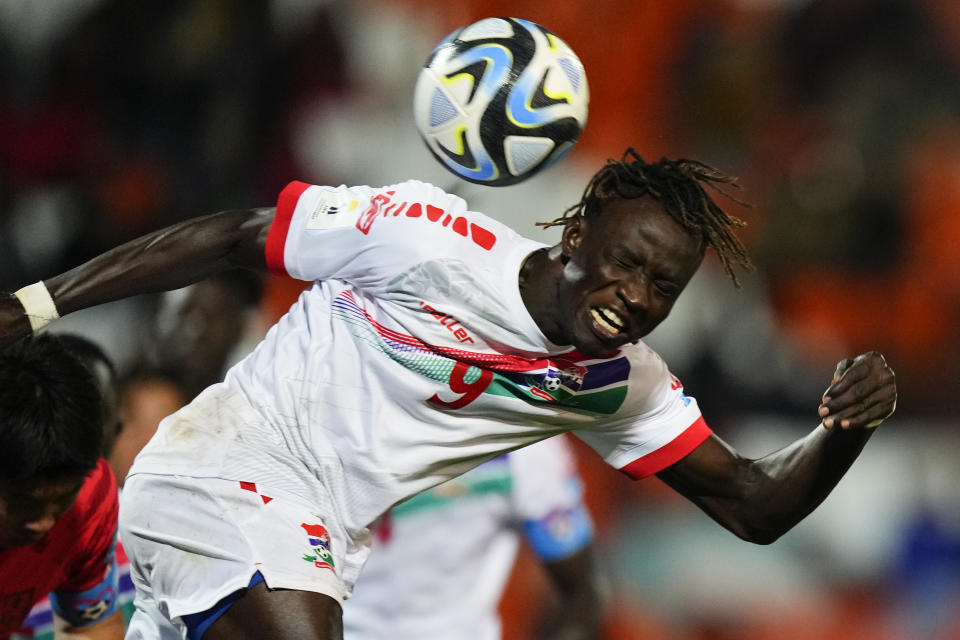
[{"x": 679, "y": 186}]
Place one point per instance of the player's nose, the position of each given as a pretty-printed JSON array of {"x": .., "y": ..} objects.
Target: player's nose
[{"x": 633, "y": 292}]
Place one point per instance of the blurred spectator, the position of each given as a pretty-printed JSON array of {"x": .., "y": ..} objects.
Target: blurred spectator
[
  {"x": 206, "y": 328},
  {"x": 146, "y": 396},
  {"x": 822, "y": 101}
]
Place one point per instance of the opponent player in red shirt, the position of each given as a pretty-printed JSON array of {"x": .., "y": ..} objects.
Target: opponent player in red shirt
[{"x": 58, "y": 498}]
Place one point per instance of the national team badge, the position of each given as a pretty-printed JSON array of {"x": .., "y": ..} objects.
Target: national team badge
[
  {"x": 572, "y": 374},
  {"x": 320, "y": 554},
  {"x": 546, "y": 382}
]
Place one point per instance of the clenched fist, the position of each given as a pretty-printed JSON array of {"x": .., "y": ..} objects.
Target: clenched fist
[{"x": 862, "y": 394}]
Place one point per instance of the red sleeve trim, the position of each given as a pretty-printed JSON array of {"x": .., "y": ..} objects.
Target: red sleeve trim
[
  {"x": 277, "y": 236},
  {"x": 673, "y": 451}
]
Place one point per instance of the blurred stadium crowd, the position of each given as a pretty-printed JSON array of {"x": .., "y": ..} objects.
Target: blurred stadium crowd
[{"x": 842, "y": 118}]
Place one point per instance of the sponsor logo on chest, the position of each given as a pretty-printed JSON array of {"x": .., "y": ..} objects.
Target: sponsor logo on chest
[{"x": 452, "y": 325}]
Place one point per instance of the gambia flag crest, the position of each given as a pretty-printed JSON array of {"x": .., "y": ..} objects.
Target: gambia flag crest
[
  {"x": 572, "y": 380},
  {"x": 320, "y": 554}
]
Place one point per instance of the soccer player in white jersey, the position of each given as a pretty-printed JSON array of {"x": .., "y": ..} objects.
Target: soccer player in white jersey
[
  {"x": 441, "y": 559},
  {"x": 433, "y": 339}
]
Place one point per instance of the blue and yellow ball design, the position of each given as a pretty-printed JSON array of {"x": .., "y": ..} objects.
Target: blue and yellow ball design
[{"x": 500, "y": 99}]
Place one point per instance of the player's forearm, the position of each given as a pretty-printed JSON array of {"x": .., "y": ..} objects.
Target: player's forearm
[
  {"x": 759, "y": 500},
  {"x": 781, "y": 489},
  {"x": 579, "y": 611},
  {"x": 168, "y": 259},
  {"x": 577, "y": 617}
]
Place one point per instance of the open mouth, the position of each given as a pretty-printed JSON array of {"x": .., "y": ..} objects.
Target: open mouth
[{"x": 608, "y": 320}]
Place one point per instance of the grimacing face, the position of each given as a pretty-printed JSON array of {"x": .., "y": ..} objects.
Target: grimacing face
[
  {"x": 28, "y": 510},
  {"x": 624, "y": 271}
]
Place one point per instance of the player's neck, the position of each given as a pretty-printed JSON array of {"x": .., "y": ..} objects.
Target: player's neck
[{"x": 538, "y": 278}]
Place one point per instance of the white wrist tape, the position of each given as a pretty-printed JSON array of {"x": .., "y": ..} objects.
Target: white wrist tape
[{"x": 38, "y": 305}]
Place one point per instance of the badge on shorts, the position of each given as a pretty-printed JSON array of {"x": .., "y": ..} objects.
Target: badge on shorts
[{"x": 319, "y": 539}]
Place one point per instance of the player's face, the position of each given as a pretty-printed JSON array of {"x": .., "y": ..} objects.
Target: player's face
[
  {"x": 28, "y": 510},
  {"x": 624, "y": 271}
]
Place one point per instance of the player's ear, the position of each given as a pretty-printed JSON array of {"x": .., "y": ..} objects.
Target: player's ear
[{"x": 573, "y": 234}]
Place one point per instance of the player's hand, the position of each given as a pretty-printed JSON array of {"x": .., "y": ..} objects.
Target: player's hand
[
  {"x": 862, "y": 394},
  {"x": 13, "y": 321}
]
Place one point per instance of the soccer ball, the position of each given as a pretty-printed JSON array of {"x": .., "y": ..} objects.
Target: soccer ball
[
  {"x": 551, "y": 384},
  {"x": 500, "y": 99}
]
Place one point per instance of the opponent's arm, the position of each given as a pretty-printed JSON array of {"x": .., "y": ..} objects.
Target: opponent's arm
[
  {"x": 760, "y": 500},
  {"x": 579, "y": 613},
  {"x": 170, "y": 258}
]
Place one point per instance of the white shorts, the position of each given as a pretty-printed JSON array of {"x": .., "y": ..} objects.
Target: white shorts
[{"x": 193, "y": 541}]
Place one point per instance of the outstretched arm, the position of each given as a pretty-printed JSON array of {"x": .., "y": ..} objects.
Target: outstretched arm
[
  {"x": 170, "y": 258},
  {"x": 760, "y": 500}
]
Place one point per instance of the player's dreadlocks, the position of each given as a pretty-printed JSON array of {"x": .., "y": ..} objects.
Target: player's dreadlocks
[{"x": 678, "y": 185}]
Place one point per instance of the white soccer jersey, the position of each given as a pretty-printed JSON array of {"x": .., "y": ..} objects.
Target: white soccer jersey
[
  {"x": 411, "y": 360},
  {"x": 440, "y": 560}
]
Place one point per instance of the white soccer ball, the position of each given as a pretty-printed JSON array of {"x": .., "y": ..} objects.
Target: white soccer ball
[
  {"x": 500, "y": 99},
  {"x": 551, "y": 384}
]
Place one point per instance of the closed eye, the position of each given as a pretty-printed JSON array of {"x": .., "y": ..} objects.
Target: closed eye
[
  {"x": 667, "y": 288},
  {"x": 622, "y": 261}
]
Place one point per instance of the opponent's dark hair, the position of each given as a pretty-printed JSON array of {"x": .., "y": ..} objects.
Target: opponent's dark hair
[
  {"x": 679, "y": 186},
  {"x": 50, "y": 411},
  {"x": 88, "y": 351},
  {"x": 91, "y": 354}
]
